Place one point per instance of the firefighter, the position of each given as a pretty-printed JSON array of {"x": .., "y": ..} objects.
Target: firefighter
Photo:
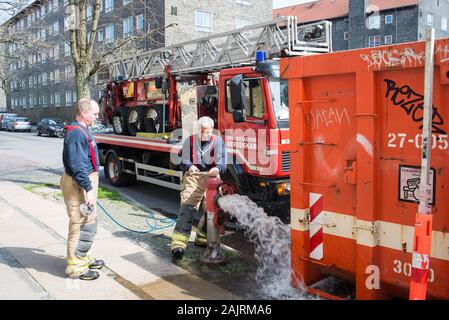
[
  {"x": 79, "y": 185},
  {"x": 203, "y": 155}
]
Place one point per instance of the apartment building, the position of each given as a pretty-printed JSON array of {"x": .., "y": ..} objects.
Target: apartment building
[{"x": 40, "y": 72}]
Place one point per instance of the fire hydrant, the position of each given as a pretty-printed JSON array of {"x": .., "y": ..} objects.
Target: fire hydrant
[{"x": 215, "y": 221}]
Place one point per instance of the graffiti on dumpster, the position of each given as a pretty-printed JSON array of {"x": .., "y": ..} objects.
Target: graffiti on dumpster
[
  {"x": 412, "y": 103},
  {"x": 326, "y": 117},
  {"x": 408, "y": 184},
  {"x": 393, "y": 58},
  {"x": 443, "y": 52}
]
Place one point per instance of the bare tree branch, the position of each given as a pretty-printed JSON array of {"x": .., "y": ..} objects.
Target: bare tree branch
[{"x": 133, "y": 38}]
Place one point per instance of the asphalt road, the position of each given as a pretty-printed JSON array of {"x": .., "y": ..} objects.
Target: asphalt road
[{"x": 47, "y": 153}]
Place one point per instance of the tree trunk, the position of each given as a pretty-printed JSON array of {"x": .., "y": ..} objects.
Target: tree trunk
[{"x": 82, "y": 83}]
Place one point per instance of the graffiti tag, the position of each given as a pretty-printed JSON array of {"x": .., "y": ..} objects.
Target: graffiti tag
[
  {"x": 393, "y": 58},
  {"x": 327, "y": 117},
  {"x": 443, "y": 52},
  {"x": 412, "y": 103}
]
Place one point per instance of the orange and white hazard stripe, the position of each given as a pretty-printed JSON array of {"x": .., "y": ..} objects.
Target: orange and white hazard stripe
[
  {"x": 316, "y": 226},
  {"x": 422, "y": 245}
]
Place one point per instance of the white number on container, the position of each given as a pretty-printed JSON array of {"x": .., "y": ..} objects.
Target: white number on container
[{"x": 406, "y": 270}]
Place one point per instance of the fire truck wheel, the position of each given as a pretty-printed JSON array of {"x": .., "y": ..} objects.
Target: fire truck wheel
[
  {"x": 117, "y": 125},
  {"x": 133, "y": 122},
  {"x": 114, "y": 171}
]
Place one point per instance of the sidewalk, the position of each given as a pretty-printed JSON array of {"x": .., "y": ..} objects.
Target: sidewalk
[{"x": 33, "y": 235}]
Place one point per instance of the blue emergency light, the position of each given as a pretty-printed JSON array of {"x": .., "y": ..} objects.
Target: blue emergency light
[{"x": 261, "y": 56}]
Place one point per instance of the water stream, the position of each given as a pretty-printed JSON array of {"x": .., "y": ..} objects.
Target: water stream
[{"x": 271, "y": 239}]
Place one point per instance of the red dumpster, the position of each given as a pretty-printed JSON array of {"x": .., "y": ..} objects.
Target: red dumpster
[{"x": 356, "y": 124}]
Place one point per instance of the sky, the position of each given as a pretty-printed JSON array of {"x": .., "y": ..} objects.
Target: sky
[{"x": 276, "y": 4}]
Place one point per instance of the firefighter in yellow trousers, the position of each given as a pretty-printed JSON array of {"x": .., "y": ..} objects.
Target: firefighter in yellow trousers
[
  {"x": 79, "y": 185},
  {"x": 203, "y": 155}
]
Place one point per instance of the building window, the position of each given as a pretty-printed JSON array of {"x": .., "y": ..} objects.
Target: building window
[
  {"x": 101, "y": 5},
  {"x": 68, "y": 98},
  {"x": 240, "y": 23},
  {"x": 389, "y": 19},
  {"x": 52, "y": 99},
  {"x": 174, "y": 11},
  {"x": 66, "y": 50},
  {"x": 69, "y": 72},
  {"x": 56, "y": 27},
  {"x": 245, "y": 2},
  {"x": 42, "y": 34},
  {"x": 89, "y": 12},
  {"x": 128, "y": 26},
  {"x": 54, "y": 5},
  {"x": 346, "y": 35},
  {"x": 56, "y": 52},
  {"x": 109, "y": 34},
  {"x": 74, "y": 96},
  {"x": 389, "y": 39},
  {"x": 44, "y": 78},
  {"x": 444, "y": 24},
  {"x": 203, "y": 21},
  {"x": 57, "y": 100},
  {"x": 430, "y": 19},
  {"x": 100, "y": 35},
  {"x": 374, "y": 41},
  {"x": 109, "y": 5},
  {"x": 374, "y": 22},
  {"x": 66, "y": 23},
  {"x": 139, "y": 22}
]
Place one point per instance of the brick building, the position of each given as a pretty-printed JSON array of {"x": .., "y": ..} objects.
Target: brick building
[
  {"x": 41, "y": 82},
  {"x": 370, "y": 23}
]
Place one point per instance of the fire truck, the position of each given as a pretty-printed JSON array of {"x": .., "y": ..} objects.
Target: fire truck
[{"x": 153, "y": 100}]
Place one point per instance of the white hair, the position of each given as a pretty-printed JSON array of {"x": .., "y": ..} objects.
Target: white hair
[
  {"x": 206, "y": 122},
  {"x": 85, "y": 104}
]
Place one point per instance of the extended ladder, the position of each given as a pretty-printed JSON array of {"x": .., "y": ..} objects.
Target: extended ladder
[{"x": 227, "y": 49}]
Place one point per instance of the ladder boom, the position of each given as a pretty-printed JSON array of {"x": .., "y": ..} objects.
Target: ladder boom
[{"x": 227, "y": 49}]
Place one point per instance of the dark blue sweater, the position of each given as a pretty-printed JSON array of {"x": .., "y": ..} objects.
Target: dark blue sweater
[
  {"x": 76, "y": 156},
  {"x": 205, "y": 152}
]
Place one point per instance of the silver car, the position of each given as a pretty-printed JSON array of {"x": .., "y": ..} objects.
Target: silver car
[{"x": 19, "y": 124}]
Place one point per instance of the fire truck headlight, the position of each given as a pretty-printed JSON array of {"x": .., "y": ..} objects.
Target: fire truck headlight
[{"x": 283, "y": 188}]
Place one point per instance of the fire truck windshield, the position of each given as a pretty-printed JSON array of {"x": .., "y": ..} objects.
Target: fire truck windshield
[{"x": 279, "y": 97}]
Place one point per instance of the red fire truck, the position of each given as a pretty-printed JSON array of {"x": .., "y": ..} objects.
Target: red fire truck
[{"x": 153, "y": 99}]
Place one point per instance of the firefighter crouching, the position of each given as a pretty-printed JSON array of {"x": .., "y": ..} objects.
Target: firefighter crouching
[
  {"x": 203, "y": 155},
  {"x": 79, "y": 185}
]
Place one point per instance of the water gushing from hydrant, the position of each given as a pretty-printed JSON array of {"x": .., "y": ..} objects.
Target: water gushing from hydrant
[{"x": 271, "y": 239}]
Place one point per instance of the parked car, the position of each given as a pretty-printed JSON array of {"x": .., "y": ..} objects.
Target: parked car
[
  {"x": 52, "y": 127},
  {"x": 4, "y": 119},
  {"x": 19, "y": 124},
  {"x": 99, "y": 127}
]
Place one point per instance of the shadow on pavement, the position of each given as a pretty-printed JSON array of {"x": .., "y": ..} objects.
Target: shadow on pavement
[{"x": 36, "y": 259}]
